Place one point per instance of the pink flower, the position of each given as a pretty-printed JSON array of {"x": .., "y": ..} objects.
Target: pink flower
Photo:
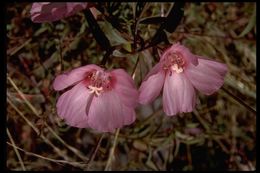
[
  {"x": 102, "y": 100},
  {"x": 178, "y": 73},
  {"x": 49, "y": 12}
]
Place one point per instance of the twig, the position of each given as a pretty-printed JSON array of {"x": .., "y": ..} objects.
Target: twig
[
  {"x": 205, "y": 125},
  {"x": 223, "y": 147},
  {"x": 203, "y": 122},
  {"x": 213, "y": 36},
  {"x": 135, "y": 67},
  {"x": 177, "y": 147},
  {"x": 106, "y": 56},
  {"x": 189, "y": 156},
  {"x": 13, "y": 52},
  {"x": 111, "y": 154},
  {"x": 15, "y": 149},
  {"x": 239, "y": 101},
  {"x": 21, "y": 114},
  {"x": 47, "y": 141},
  {"x": 233, "y": 144},
  {"x": 23, "y": 97},
  {"x": 137, "y": 21},
  {"x": 75, "y": 151},
  {"x": 76, "y": 164},
  {"x": 61, "y": 57},
  {"x": 95, "y": 151}
]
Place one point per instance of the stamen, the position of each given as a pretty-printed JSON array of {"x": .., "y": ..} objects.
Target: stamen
[
  {"x": 96, "y": 90},
  {"x": 176, "y": 68},
  {"x": 98, "y": 82}
]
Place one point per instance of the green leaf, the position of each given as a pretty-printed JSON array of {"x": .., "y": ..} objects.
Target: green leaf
[
  {"x": 250, "y": 24},
  {"x": 112, "y": 34},
  {"x": 100, "y": 37},
  {"x": 127, "y": 46}
]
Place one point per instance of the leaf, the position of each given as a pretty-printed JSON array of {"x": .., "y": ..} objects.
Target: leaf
[
  {"x": 250, "y": 24},
  {"x": 40, "y": 31},
  {"x": 151, "y": 165},
  {"x": 35, "y": 98},
  {"x": 174, "y": 17},
  {"x": 127, "y": 46},
  {"x": 112, "y": 34},
  {"x": 152, "y": 20},
  {"x": 172, "y": 21},
  {"x": 192, "y": 125},
  {"x": 100, "y": 37},
  {"x": 140, "y": 145}
]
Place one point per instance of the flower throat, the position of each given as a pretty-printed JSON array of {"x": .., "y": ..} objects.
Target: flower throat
[{"x": 174, "y": 62}]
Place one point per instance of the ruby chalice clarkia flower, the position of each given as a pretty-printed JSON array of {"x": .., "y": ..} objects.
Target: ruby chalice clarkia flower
[
  {"x": 99, "y": 99},
  {"x": 179, "y": 73}
]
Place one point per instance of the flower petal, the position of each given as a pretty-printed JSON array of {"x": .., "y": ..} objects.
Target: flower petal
[
  {"x": 151, "y": 88},
  {"x": 49, "y": 12},
  {"x": 208, "y": 76},
  {"x": 218, "y": 67},
  {"x": 72, "y": 105},
  {"x": 129, "y": 115},
  {"x": 106, "y": 113},
  {"x": 178, "y": 94},
  {"x": 185, "y": 52},
  {"x": 65, "y": 80},
  {"x": 73, "y": 8},
  {"x": 153, "y": 71},
  {"x": 125, "y": 87},
  {"x": 123, "y": 77}
]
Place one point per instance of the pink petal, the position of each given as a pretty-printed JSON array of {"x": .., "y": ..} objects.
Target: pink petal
[
  {"x": 58, "y": 10},
  {"x": 124, "y": 86},
  {"x": 49, "y": 12},
  {"x": 65, "y": 80},
  {"x": 73, "y": 8},
  {"x": 106, "y": 112},
  {"x": 123, "y": 77},
  {"x": 36, "y": 7},
  {"x": 35, "y": 10},
  {"x": 72, "y": 106},
  {"x": 220, "y": 68},
  {"x": 178, "y": 94},
  {"x": 185, "y": 52},
  {"x": 208, "y": 76},
  {"x": 151, "y": 88},
  {"x": 129, "y": 115},
  {"x": 154, "y": 70}
]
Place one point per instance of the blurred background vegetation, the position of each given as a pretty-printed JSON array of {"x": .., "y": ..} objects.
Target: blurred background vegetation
[{"x": 220, "y": 134}]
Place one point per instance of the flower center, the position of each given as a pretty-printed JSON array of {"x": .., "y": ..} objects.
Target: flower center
[
  {"x": 98, "y": 82},
  {"x": 174, "y": 62}
]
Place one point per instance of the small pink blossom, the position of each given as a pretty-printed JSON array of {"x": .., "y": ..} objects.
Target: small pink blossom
[
  {"x": 99, "y": 99},
  {"x": 178, "y": 73},
  {"x": 49, "y": 12}
]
